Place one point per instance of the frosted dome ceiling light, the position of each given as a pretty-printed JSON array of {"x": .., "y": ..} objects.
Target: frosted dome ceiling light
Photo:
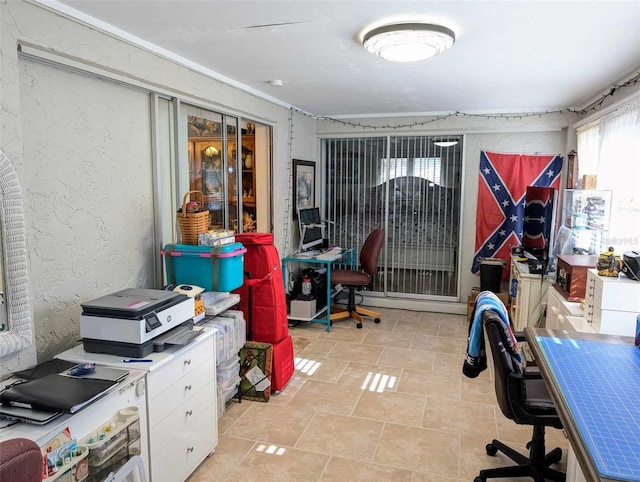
[
  {"x": 408, "y": 42},
  {"x": 445, "y": 142}
]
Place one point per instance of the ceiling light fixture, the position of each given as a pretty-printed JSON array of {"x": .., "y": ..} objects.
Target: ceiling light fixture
[
  {"x": 408, "y": 42},
  {"x": 445, "y": 142}
]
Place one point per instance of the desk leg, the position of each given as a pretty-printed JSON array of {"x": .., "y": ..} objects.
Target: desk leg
[{"x": 329, "y": 296}]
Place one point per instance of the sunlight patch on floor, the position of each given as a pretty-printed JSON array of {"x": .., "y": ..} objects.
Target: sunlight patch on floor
[
  {"x": 377, "y": 382},
  {"x": 308, "y": 367}
]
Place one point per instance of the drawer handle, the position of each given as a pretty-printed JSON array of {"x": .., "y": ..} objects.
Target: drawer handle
[
  {"x": 187, "y": 387},
  {"x": 189, "y": 449},
  {"x": 189, "y": 412},
  {"x": 187, "y": 362}
]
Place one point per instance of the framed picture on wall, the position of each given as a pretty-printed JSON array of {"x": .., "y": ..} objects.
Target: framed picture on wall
[{"x": 304, "y": 185}]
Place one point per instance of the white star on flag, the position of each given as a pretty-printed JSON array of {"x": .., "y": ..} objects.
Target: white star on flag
[
  {"x": 505, "y": 203},
  {"x": 514, "y": 218},
  {"x": 502, "y": 232},
  {"x": 496, "y": 187}
]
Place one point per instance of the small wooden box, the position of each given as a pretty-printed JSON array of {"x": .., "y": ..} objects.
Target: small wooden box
[{"x": 571, "y": 276}]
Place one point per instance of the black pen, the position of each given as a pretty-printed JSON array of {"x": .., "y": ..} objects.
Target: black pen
[{"x": 136, "y": 360}]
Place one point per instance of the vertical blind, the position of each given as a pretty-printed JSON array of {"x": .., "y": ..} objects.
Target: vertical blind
[{"x": 409, "y": 187}]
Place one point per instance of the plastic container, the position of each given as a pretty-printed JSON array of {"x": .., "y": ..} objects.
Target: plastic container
[
  {"x": 491, "y": 274},
  {"x": 228, "y": 372},
  {"x": 219, "y": 268},
  {"x": 110, "y": 438}
]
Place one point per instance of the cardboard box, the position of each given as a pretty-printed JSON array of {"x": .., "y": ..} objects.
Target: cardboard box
[
  {"x": 589, "y": 181},
  {"x": 302, "y": 308},
  {"x": 503, "y": 295}
]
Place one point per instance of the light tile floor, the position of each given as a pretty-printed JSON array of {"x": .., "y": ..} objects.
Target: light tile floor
[{"x": 387, "y": 402}]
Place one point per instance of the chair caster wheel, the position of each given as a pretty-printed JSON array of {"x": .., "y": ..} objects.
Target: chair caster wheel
[
  {"x": 479, "y": 479},
  {"x": 331, "y": 323},
  {"x": 359, "y": 325},
  {"x": 377, "y": 320},
  {"x": 491, "y": 450}
]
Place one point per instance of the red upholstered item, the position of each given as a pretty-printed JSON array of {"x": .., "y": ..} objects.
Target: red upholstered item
[
  {"x": 20, "y": 461},
  {"x": 282, "y": 367},
  {"x": 368, "y": 262},
  {"x": 265, "y": 307}
]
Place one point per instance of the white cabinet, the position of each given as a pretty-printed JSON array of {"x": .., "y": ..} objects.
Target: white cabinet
[
  {"x": 560, "y": 311},
  {"x": 612, "y": 305},
  {"x": 182, "y": 416},
  {"x": 528, "y": 294}
]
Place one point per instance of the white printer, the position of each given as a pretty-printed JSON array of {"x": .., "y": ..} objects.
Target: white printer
[{"x": 135, "y": 322}]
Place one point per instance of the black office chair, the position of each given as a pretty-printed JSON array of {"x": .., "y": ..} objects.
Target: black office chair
[
  {"x": 523, "y": 398},
  {"x": 359, "y": 279}
]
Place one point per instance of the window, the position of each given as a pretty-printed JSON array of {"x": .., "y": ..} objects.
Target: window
[
  {"x": 609, "y": 148},
  {"x": 425, "y": 167}
]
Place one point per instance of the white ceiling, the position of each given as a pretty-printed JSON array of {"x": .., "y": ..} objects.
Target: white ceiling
[{"x": 509, "y": 56}]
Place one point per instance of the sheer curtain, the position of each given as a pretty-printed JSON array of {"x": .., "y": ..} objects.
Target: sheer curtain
[{"x": 610, "y": 148}]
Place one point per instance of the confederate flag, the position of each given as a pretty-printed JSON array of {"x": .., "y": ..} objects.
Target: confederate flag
[{"x": 501, "y": 197}]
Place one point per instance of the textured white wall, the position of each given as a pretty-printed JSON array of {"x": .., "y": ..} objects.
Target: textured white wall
[{"x": 82, "y": 151}]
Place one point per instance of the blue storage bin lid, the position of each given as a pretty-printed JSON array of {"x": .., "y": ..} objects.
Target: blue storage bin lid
[{"x": 204, "y": 251}]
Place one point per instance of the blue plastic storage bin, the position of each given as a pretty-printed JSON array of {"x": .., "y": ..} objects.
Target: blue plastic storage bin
[{"x": 219, "y": 268}]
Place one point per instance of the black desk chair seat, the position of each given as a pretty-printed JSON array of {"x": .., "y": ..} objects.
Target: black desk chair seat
[
  {"x": 523, "y": 398},
  {"x": 358, "y": 279}
]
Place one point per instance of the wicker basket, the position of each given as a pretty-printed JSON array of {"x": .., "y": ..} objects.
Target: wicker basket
[{"x": 192, "y": 224}]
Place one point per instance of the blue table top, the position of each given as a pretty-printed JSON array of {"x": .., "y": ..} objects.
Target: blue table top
[{"x": 600, "y": 384}]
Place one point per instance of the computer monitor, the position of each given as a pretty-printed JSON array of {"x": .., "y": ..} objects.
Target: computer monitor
[{"x": 311, "y": 228}]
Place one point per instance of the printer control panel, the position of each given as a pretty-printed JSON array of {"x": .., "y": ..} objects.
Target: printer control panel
[{"x": 152, "y": 322}]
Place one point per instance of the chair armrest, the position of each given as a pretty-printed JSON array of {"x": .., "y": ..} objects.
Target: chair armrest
[
  {"x": 531, "y": 373},
  {"x": 519, "y": 336}
]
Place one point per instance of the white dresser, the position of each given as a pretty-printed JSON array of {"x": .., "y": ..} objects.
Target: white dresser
[
  {"x": 181, "y": 404},
  {"x": 612, "y": 305}
]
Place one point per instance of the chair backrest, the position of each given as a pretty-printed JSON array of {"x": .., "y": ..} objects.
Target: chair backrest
[
  {"x": 371, "y": 250},
  {"x": 20, "y": 461},
  {"x": 504, "y": 360}
]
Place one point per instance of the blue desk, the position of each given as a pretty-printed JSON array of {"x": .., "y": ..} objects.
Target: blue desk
[
  {"x": 594, "y": 380},
  {"x": 347, "y": 257}
]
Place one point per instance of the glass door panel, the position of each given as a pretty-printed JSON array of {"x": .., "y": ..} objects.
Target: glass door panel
[{"x": 212, "y": 161}]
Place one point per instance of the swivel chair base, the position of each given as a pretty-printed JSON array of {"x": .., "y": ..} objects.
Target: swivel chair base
[
  {"x": 353, "y": 311},
  {"x": 535, "y": 466}
]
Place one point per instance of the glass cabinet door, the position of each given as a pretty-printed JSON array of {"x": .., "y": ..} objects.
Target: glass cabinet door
[{"x": 212, "y": 153}]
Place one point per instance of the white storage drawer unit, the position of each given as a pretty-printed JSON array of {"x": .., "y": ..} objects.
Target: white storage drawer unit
[
  {"x": 182, "y": 410},
  {"x": 612, "y": 304}
]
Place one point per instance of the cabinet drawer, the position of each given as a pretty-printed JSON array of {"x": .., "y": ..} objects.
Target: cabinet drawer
[
  {"x": 564, "y": 324},
  {"x": 620, "y": 295},
  {"x": 182, "y": 363},
  {"x": 176, "y": 460},
  {"x": 181, "y": 391},
  {"x": 610, "y": 322},
  {"x": 181, "y": 417}
]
